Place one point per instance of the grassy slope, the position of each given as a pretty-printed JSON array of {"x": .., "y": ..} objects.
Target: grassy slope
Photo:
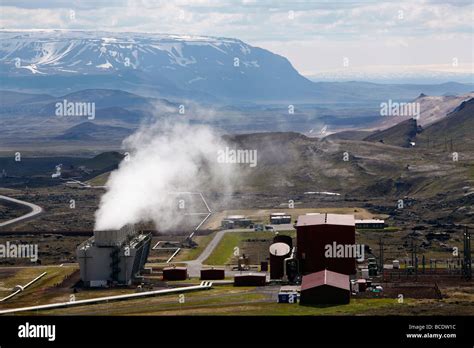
[
  {"x": 192, "y": 254},
  {"x": 228, "y": 300},
  {"x": 223, "y": 253},
  {"x": 99, "y": 180},
  {"x": 24, "y": 275},
  {"x": 456, "y": 128},
  {"x": 398, "y": 135}
]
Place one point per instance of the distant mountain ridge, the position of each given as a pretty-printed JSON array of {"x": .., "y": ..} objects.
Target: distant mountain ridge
[
  {"x": 109, "y": 104},
  {"x": 204, "y": 69},
  {"x": 89, "y": 131},
  {"x": 455, "y": 128},
  {"x": 172, "y": 64},
  {"x": 432, "y": 109},
  {"x": 402, "y": 134}
]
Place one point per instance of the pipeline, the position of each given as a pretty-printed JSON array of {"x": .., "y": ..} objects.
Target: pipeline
[
  {"x": 203, "y": 286},
  {"x": 22, "y": 288}
]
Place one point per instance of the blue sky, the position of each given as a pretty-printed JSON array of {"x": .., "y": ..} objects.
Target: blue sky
[{"x": 316, "y": 36}]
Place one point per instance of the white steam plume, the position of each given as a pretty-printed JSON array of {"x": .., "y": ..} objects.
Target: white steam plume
[{"x": 164, "y": 158}]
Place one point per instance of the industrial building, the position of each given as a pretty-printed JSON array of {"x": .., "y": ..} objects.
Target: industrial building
[
  {"x": 370, "y": 224},
  {"x": 325, "y": 287},
  {"x": 280, "y": 218},
  {"x": 113, "y": 257},
  {"x": 250, "y": 279},
  {"x": 314, "y": 232},
  {"x": 213, "y": 274},
  {"x": 235, "y": 221},
  {"x": 175, "y": 273}
]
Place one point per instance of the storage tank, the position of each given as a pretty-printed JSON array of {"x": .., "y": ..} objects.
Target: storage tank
[
  {"x": 281, "y": 238},
  {"x": 278, "y": 253}
]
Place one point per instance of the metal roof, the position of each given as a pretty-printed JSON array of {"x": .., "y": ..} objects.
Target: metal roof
[
  {"x": 370, "y": 221},
  {"x": 176, "y": 268},
  {"x": 326, "y": 219},
  {"x": 235, "y": 217},
  {"x": 326, "y": 277},
  {"x": 290, "y": 288},
  {"x": 213, "y": 269},
  {"x": 251, "y": 274}
]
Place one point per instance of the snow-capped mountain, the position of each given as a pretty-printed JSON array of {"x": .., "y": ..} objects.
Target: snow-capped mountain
[
  {"x": 173, "y": 64},
  {"x": 82, "y": 52},
  {"x": 203, "y": 69}
]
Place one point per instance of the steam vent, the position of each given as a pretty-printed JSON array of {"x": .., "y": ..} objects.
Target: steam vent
[{"x": 113, "y": 257}]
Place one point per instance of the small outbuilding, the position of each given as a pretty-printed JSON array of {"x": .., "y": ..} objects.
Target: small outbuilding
[
  {"x": 235, "y": 221},
  {"x": 325, "y": 287},
  {"x": 280, "y": 218},
  {"x": 175, "y": 273},
  {"x": 370, "y": 224},
  {"x": 250, "y": 279},
  {"x": 212, "y": 274}
]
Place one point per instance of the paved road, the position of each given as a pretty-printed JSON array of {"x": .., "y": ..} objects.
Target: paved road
[
  {"x": 35, "y": 210},
  {"x": 195, "y": 266}
]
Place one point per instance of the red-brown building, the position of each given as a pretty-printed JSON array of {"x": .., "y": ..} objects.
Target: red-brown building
[
  {"x": 314, "y": 232},
  {"x": 212, "y": 274},
  {"x": 325, "y": 287},
  {"x": 175, "y": 273},
  {"x": 250, "y": 279}
]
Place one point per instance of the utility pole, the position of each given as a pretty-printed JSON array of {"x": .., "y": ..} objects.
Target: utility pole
[
  {"x": 467, "y": 264},
  {"x": 416, "y": 263},
  {"x": 381, "y": 256}
]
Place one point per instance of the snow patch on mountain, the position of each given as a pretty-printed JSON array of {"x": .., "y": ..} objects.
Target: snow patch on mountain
[{"x": 52, "y": 51}]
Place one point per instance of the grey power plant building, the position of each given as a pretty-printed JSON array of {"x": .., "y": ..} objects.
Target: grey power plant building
[{"x": 113, "y": 257}]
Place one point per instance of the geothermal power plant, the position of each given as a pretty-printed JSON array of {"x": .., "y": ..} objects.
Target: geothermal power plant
[
  {"x": 302, "y": 269},
  {"x": 317, "y": 264},
  {"x": 308, "y": 258}
]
